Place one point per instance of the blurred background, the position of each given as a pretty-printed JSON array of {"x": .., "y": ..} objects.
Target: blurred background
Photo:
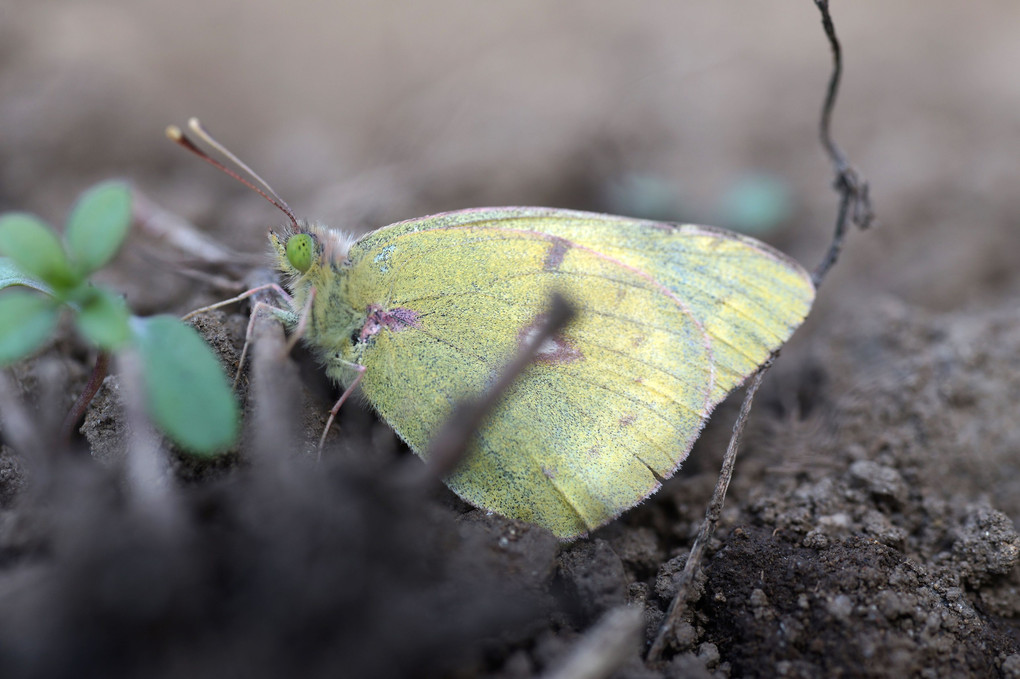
[{"x": 365, "y": 113}]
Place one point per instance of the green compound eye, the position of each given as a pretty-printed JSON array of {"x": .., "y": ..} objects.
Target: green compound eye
[{"x": 300, "y": 250}]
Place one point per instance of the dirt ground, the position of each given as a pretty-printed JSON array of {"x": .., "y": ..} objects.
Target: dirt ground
[{"x": 871, "y": 526}]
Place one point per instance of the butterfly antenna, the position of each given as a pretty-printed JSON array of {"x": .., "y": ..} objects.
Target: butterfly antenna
[{"x": 255, "y": 183}]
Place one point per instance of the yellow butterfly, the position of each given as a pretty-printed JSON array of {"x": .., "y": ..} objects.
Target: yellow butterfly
[{"x": 423, "y": 313}]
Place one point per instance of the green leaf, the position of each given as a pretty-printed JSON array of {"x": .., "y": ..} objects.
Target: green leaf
[
  {"x": 103, "y": 320},
  {"x": 98, "y": 225},
  {"x": 26, "y": 320},
  {"x": 34, "y": 247},
  {"x": 189, "y": 397},
  {"x": 11, "y": 275}
]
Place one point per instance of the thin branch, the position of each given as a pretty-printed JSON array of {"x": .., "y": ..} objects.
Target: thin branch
[
  {"x": 275, "y": 387},
  {"x": 448, "y": 446},
  {"x": 179, "y": 233},
  {"x": 146, "y": 469},
  {"x": 854, "y": 205},
  {"x": 715, "y": 507},
  {"x": 19, "y": 429},
  {"x": 855, "y": 201},
  {"x": 825, "y": 126},
  {"x": 605, "y": 647},
  {"x": 99, "y": 372}
]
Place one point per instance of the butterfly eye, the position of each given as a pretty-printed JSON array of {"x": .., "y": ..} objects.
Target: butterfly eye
[{"x": 300, "y": 249}]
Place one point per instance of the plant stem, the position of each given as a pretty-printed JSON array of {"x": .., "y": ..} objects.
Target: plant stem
[{"x": 77, "y": 411}]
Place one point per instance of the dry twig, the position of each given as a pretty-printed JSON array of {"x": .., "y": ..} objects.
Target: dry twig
[
  {"x": 275, "y": 386},
  {"x": 176, "y": 231},
  {"x": 605, "y": 647},
  {"x": 855, "y": 206},
  {"x": 449, "y": 444}
]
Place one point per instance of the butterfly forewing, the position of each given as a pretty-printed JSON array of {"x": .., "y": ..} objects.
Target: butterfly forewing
[{"x": 749, "y": 296}]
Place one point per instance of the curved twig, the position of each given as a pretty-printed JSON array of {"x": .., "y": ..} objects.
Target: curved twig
[
  {"x": 855, "y": 200},
  {"x": 855, "y": 206}
]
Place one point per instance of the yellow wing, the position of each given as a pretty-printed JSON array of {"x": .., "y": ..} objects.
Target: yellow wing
[{"x": 671, "y": 318}]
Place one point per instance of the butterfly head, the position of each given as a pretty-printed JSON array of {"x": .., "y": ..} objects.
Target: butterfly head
[{"x": 304, "y": 250}]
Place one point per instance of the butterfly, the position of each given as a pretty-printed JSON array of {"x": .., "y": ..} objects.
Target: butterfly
[{"x": 423, "y": 313}]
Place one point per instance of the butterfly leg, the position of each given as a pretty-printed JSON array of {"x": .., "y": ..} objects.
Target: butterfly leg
[
  {"x": 360, "y": 369},
  {"x": 281, "y": 314},
  {"x": 302, "y": 324},
  {"x": 244, "y": 295},
  {"x": 285, "y": 315},
  {"x": 258, "y": 306}
]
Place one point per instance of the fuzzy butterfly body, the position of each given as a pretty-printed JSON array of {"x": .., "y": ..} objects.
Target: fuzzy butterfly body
[{"x": 670, "y": 319}]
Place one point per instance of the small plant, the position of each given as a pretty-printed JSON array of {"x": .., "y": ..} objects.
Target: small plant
[{"x": 187, "y": 394}]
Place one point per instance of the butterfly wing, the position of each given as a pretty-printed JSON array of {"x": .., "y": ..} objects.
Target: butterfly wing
[{"x": 670, "y": 319}]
